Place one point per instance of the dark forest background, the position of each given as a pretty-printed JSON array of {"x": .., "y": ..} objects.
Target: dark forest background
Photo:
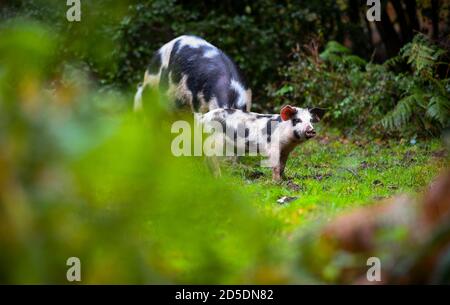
[{"x": 390, "y": 75}]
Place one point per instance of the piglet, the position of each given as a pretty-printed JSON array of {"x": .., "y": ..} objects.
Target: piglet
[{"x": 270, "y": 135}]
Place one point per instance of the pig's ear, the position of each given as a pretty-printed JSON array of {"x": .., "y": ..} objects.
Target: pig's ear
[
  {"x": 287, "y": 112},
  {"x": 317, "y": 114}
]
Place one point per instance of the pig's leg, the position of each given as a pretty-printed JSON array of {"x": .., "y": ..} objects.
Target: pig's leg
[
  {"x": 150, "y": 80},
  {"x": 212, "y": 160},
  {"x": 274, "y": 163},
  {"x": 276, "y": 173},
  {"x": 214, "y": 166},
  {"x": 278, "y": 168},
  {"x": 283, "y": 160}
]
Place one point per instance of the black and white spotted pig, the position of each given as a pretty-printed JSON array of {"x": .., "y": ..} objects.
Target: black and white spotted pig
[
  {"x": 272, "y": 135},
  {"x": 197, "y": 75}
]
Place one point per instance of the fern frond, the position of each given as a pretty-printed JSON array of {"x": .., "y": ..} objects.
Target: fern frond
[
  {"x": 422, "y": 55},
  {"x": 393, "y": 61},
  {"x": 403, "y": 112},
  {"x": 333, "y": 52},
  {"x": 354, "y": 60},
  {"x": 439, "y": 109}
]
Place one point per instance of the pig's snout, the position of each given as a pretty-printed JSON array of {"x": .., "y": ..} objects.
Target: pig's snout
[{"x": 310, "y": 132}]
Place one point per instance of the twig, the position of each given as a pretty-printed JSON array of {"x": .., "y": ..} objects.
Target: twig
[{"x": 353, "y": 173}]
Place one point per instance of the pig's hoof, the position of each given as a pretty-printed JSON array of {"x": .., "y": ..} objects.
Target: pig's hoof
[
  {"x": 276, "y": 179},
  {"x": 217, "y": 173}
]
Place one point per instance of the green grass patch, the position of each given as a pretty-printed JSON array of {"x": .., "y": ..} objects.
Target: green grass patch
[{"x": 330, "y": 174}]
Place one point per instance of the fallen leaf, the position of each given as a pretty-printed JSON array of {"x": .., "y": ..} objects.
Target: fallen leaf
[{"x": 286, "y": 199}]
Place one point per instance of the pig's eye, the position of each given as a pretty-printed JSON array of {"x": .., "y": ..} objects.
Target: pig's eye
[{"x": 296, "y": 121}]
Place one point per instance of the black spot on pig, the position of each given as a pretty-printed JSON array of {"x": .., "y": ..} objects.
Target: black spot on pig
[
  {"x": 317, "y": 114},
  {"x": 242, "y": 131},
  {"x": 264, "y": 116},
  {"x": 209, "y": 76},
  {"x": 155, "y": 64},
  {"x": 270, "y": 127}
]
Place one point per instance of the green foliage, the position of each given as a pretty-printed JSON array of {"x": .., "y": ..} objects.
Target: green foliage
[
  {"x": 334, "y": 51},
  {"x": 371, "y": 96},
  {"x": 422, "y": 55},
  {"x": 355, "y": 93},
  {"x": 256, "y": 35},
  {"x": 251, "y": 33},
  {"x": 425, "y": 98},
  {"x": 402, "y": 112},
  {"x": 103, "y": 186}
]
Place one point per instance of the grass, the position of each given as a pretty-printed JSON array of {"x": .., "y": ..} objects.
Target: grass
[{"x": 331, "y": 174}]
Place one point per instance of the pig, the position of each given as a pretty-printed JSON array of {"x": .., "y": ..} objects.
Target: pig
[
  {"x": 195, "y": 75},
  {"x": 271, "y": 135}
]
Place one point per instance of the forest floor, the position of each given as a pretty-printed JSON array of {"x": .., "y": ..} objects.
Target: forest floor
[{"x": 331, "y": 174}]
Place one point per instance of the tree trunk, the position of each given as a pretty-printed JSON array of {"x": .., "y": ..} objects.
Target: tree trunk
[
  {"x": 405, "y": 28},
  {"x": 411, "y": 9},
  {"x": 361, "y": 43},
  {"x": 340, "y": 32},
  {"x": 435, "y": 18},
  {"x": 388, "y": 34},
  {"x": 370, "y": 33},
  {"x": 353, "y": 11}
]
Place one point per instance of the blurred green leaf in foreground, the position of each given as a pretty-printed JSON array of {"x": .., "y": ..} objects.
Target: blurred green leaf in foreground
[{"x": 102, "y": 186}]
